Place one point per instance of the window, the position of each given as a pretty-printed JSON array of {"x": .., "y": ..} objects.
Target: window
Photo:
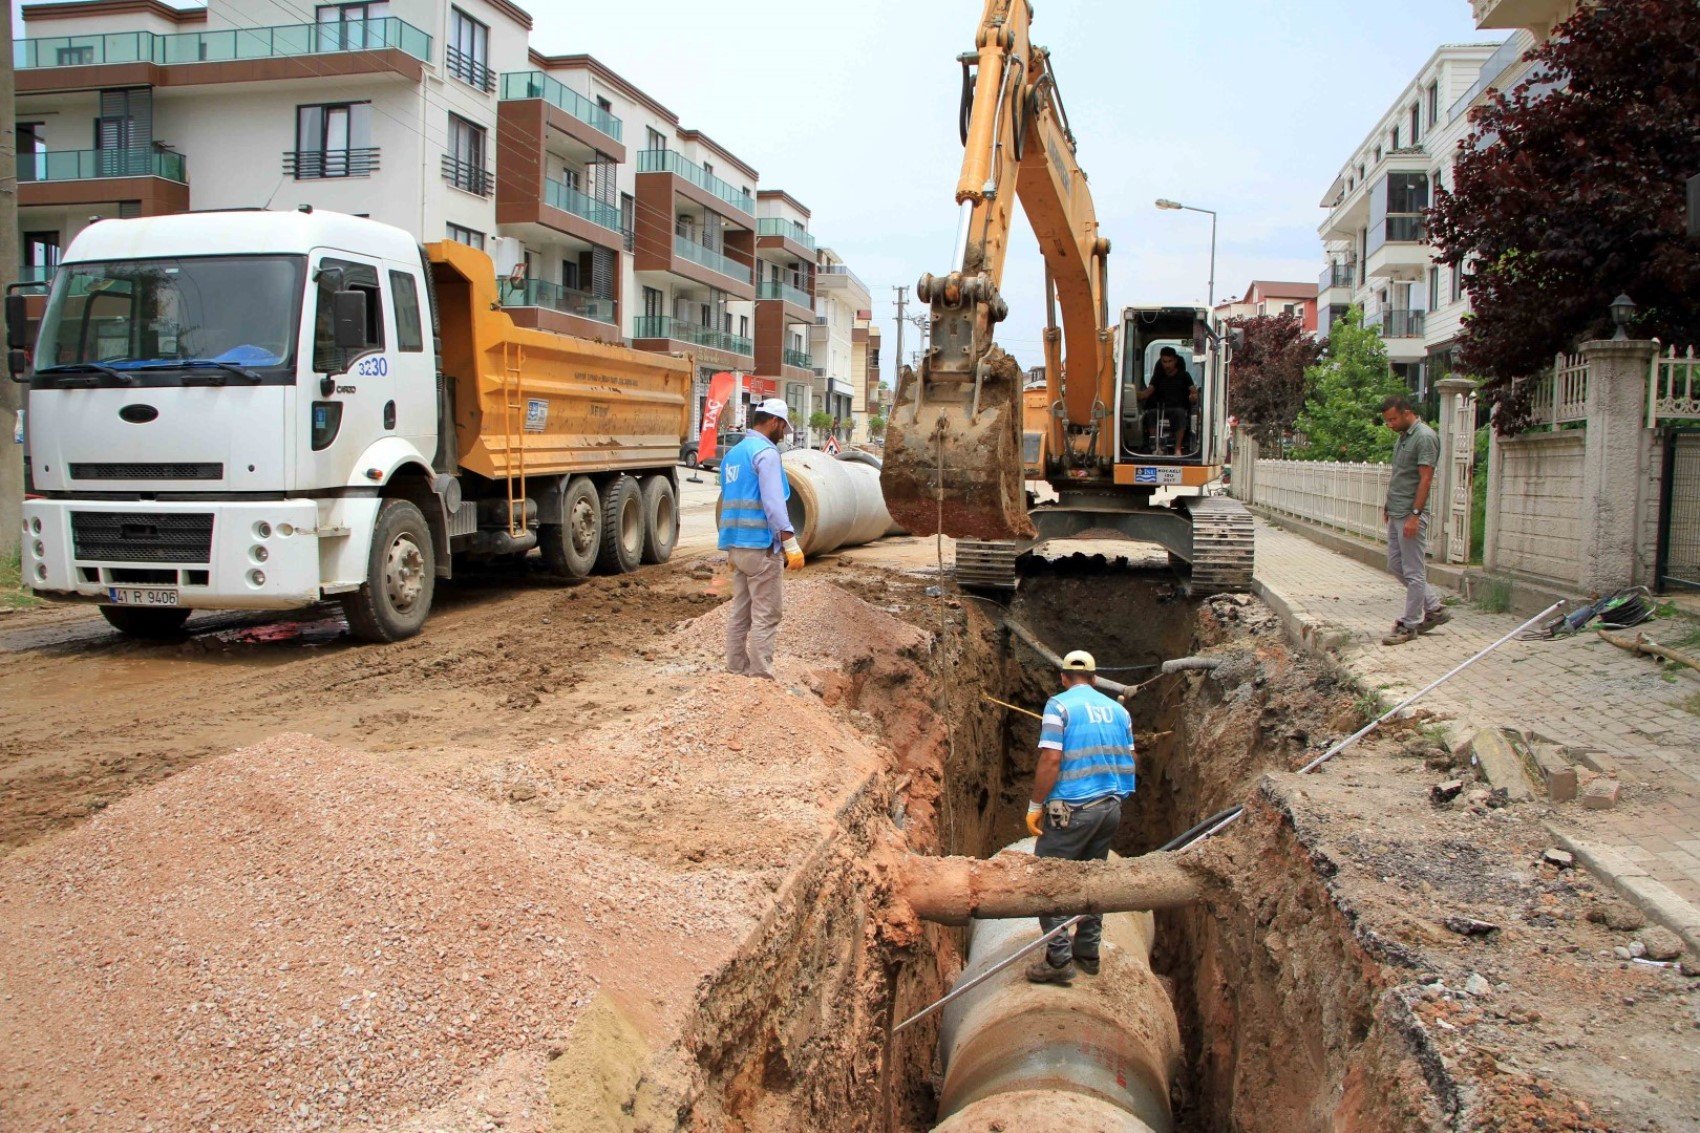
[
  {"x": 75, "y": 56},
  {"x": 468, "y": 51},
  {"x": 654, "y": 303},
  {"x": 32, "y": 151},
  {"x": 743, "y": 326},
  {"x": 1289, "y": 309},
  {"x": 1457, "y": 282},
  {"x": 1393, "y": 138},
  {"x": 1378, "y": 153},
  {"x": 708, "y": 168},
  {"x": 570, "y": 275},
  {"x": 466, "y": 236},
  {"x": 352, "y": 27},
  {"x": 1433, "y": 286},
  {"x": 41, "y": 249},
  {"x": 1433, "y": 105},
  {"x": 463, "y": 165},
  {"x": 333, "y": 140},
  {"x": 1416, "y": 125},
  {"x": 604, "y": 103},
  {"x": 355, "y": 277},
  {"x": 656, "y": 139},
  {"x": 409, "y": 330}
]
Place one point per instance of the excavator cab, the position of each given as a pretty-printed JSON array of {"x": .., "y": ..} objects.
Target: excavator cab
[{"x": 1169, "y": 397}]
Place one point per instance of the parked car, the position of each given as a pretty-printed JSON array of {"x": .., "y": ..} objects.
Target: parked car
[{"x": 690, "y": 457}]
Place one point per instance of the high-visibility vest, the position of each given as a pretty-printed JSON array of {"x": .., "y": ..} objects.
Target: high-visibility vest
[
  {"x": 1096, "y": 737},
  {"x": 743, "y": 521}
]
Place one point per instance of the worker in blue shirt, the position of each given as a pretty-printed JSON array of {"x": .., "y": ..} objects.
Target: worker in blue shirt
[
  {"x": 756, "y": 534},
  {"x": 1085, "y": 771}
]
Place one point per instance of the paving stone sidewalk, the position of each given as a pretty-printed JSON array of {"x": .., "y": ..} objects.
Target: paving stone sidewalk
[{"x": 1577, "y": 691}]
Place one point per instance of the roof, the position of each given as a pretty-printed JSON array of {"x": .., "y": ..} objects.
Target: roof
[
  {"x": 782, "y": 195},
  {"x": 82, "y": 9},
  {"x": 707, "y": 142},
  {"x": 1280, "y": 289},
  {"x": 603, "y": 72},
  {"x": 240, "y": 232}
]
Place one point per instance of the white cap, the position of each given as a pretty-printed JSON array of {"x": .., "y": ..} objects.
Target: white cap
[
  {"x": 1079, "y": 661},
  {"x": 775, "y": 407}
]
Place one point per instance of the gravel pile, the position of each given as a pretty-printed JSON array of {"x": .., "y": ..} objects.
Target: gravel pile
[{"x": 822, "y": 623}]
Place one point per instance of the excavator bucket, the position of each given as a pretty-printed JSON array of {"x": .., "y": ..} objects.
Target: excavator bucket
[{"x": 949, "y": 468}]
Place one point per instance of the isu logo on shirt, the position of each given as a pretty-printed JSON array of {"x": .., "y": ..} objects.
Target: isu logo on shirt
[
  {"x": 732, "y": 474},
  {"x": 1096, "y": 715}
]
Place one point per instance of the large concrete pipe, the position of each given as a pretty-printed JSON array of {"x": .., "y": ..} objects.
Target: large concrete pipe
[
  {"x": 1109, "y": 1039},
  {"x": 835, "y": 502}
]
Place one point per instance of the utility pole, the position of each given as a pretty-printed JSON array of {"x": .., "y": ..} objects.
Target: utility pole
[
  {"x": 11, "y": 394},
  {"x": 897, "y": 370}
]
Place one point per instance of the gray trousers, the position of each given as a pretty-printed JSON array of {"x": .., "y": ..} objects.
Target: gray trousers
[
  {"x": 1086, "y": 839},
  {"x": 756, "y": 605},
  {"x": 1405, "y": 559}
]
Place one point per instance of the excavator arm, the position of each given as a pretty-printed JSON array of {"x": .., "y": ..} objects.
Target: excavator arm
[{"x": 953, "y": 459}]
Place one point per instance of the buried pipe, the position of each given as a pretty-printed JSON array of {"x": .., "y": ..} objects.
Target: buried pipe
[
  {"x": 1103, "y": 1049},
  {"x": 956, "y": 890},
  {"x": 1104, "y": 684}
]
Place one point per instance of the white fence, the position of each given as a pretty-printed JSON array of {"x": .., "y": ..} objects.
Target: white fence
[
  {"x": 1673, "y": 387},
  {"x": 1346, "y": 497},
  {"x": 1561, "y": 396}
]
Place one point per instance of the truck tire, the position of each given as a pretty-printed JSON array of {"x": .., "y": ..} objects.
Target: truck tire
[
  {"x": 570, "y": 548},
  {"x": 149, "y": 625},
  {"x": 622, "y": 527},
  {"x": 401, "y": 576},
  {"x": 660, "y": 519}
]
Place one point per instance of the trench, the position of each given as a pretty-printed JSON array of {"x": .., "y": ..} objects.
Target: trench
[{"x": 1282, "y": 1012}]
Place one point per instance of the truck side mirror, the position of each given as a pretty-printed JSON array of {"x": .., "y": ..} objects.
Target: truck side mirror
[
  {"x": 17, "y": 322},
  {"x": 348, "y": 319}
]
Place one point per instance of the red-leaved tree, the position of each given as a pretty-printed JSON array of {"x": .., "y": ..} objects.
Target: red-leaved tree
[
  {"x": 1266, "y": 378},
  {"x": 1571, "y": 191}
]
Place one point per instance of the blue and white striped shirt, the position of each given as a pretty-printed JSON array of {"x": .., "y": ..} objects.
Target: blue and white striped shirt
[{"x": 1095, "y": 736}]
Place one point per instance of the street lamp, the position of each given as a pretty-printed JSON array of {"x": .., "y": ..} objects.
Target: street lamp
[
  {"x": 1622, "y": 310},
  {"x": 1165, "y": 203}
]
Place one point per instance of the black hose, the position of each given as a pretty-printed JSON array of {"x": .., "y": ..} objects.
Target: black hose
[
  {"x": 967, "y": 102},
  {"x": 1193, "y": 834}
]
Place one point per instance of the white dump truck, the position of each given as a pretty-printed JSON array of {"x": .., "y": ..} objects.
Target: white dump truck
[{"x": 262, "y": 410}]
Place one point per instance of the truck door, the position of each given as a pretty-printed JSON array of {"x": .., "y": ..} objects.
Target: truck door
[
  {"x": 346, "y": 412},
  {"x": 413, "y": 367}
]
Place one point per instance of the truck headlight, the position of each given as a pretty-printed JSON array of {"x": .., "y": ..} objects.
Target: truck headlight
[
  {"x": 35, "y": 526},
  {"x": 257, "y": 577},
  {"x": 262, "y": 530},
  {"x": 40, "y": 549},
  {"x": 260, "y": 553}
]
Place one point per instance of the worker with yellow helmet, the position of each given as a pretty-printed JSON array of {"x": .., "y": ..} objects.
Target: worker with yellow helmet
[{"x": 1086, "y": 769}]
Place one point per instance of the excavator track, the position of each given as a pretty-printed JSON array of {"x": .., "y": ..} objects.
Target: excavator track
[
  {"x": 1222, "y": 546},
  {"x": 983, "y": 564}
]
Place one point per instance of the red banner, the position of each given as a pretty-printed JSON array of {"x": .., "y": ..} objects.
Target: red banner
[{"x": 719, "y": 393}]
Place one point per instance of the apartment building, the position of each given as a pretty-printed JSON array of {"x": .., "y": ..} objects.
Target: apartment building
[
  {"x": 604, "y": 215},
  {"x": 1375, "y": 237},
  {"x": 842, "y": 304},
  {"x": 873, "y": 396},
  {"x": 1272, "y": 297}
]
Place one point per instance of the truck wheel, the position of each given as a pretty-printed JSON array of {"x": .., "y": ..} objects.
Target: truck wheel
[
  {"x": 622, "y": 527},
  {"x": 660, "y": 519},
  {"x": 570, "y": 548},
  {"x": 401, "y": 576},
  {"x": 150, "y": 625}
]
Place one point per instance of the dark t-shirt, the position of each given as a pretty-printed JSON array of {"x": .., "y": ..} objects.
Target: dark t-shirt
[{"x": 1171, "y": 390}]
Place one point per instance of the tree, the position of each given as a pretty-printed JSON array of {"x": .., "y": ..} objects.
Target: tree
[
  {"x": 1341, "y": 419},
  {"x": 1266, "y": 380},
  {"x": 876, "y": 426},
  {"x": 820, "y": 420},
  {"x": 1570, "y": 191}
]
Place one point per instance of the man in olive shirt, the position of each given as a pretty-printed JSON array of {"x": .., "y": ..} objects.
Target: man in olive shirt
[{"x": 1415, "y": 455}]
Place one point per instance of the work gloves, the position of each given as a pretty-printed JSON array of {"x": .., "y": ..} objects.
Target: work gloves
[
  {"x": 793, "y": 553},
  {"x": 1035, "y": 819}
]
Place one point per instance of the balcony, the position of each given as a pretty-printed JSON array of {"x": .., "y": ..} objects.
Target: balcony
[
  {"x": 316, "y": 165},
  {"x": 1510, "y": 53},
  {"x": 517, "y": 85},
  {"x": 247, "y": 46},
  {"x": 473, "y": 72},
  {"x": 468, "y": 177},
  {"x": 1517, "y": 13},
  {"x": 1398, "y": 323},
  {"x": 567, "y": 300},
  {"x": 157, "y": 180},
  {"x": 668, "y": 161},
  {"x": 89, "y": 164},
  {"x": 779, "y": 230},
  {"x": 837, "y": 275},
  {"x": 1338, "y": 275},
  {"x": 664, "y": 326},
  {"x": 799, "y": 358},
  {"x": 36, "y": 273},
  {"x": 709, "y": 258},
  {"x": 1398, "y": 247},
  {"x": 796, "y": 296},
  {"x": 568, "y": 199}
]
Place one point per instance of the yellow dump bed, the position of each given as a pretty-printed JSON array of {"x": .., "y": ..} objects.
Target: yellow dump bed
[{"x": 531, "y": 403}]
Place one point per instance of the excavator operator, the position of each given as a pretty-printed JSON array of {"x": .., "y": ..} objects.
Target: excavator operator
[{"x": 1170, "y": 395}]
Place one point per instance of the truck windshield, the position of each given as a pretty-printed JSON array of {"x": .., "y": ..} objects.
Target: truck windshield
[{"x": 167, "y": 314}]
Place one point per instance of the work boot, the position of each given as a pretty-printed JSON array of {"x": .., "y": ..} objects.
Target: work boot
[
  {"x": 1042, "y": 971},
  {"x": 1434, "y": 619},
  {"x": 1400, "y": 634},
  {"x": 1087, "y": 964}
]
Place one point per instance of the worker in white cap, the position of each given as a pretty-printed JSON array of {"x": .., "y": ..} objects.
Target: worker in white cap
[
  {"x": 756, "y": 534},
  {"x": 1085, "y": 771}
]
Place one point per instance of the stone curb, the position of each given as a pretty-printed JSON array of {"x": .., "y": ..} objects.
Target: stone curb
[
  {"x": 1304, "y": 630},
  {"x": 1635, "y": 885}
]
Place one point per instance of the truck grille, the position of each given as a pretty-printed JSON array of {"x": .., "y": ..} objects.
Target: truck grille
[
  {"x": 142, "y": 537},
  {"x": 192, "y": 471}
]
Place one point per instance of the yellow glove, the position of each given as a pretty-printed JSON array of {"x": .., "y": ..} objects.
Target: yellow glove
[
  {"x": 1035, "y": 819},
  {"x": 793, "y": 554}
]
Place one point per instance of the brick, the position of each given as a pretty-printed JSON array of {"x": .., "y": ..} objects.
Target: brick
[{"x": 1601, "y": 794}]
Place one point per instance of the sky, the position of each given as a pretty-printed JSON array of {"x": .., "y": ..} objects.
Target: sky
[{"x": 1248, "y": 107}]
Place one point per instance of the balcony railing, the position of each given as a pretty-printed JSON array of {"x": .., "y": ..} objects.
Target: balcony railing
[
  {"x": 665, "y": 326},
  {"x": 90, "y": 164},
  {"x": 840, "y": 269},
  {"x": 771, "y": 289},
  {"x": 709, "y": 258},
  {"x": 668, "y": 161},
  {"x": 535, "y": 84},
  {"x": 542, "y": 293},
  {"x": 1402, "y": 324},
  {"x": 1338, "y": 275},
  {"x": 36, "y": 273},
  {"x": 313, "y": 164},
  {"x": 568, "y": 199},
  {"x": 1510, "y": 53},
  {"x": 280, "y": 42},
  {"x": 789, "y": 229},
  {"x": 472, "y": 72},
  {"x": 467, "y": 176},
  {"x": 800, "y": 358}
]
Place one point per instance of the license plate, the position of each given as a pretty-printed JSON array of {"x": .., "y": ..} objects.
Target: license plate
[{"x": 142, "y": 596}]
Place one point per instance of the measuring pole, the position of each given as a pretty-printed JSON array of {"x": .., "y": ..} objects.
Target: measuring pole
[{"x": 902, "y": 301}]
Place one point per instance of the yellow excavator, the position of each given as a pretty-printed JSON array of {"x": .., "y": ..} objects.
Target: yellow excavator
[{"x": 960, "y": 450}]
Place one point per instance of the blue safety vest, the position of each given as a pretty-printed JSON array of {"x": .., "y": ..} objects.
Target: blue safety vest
[
  {"x": 743, "y": 521},
  {"x": 1096, "y": 737}
]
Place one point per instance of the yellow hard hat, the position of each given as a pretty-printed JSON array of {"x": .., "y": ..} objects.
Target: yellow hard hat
[{"x": 1079, "y": 661}]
